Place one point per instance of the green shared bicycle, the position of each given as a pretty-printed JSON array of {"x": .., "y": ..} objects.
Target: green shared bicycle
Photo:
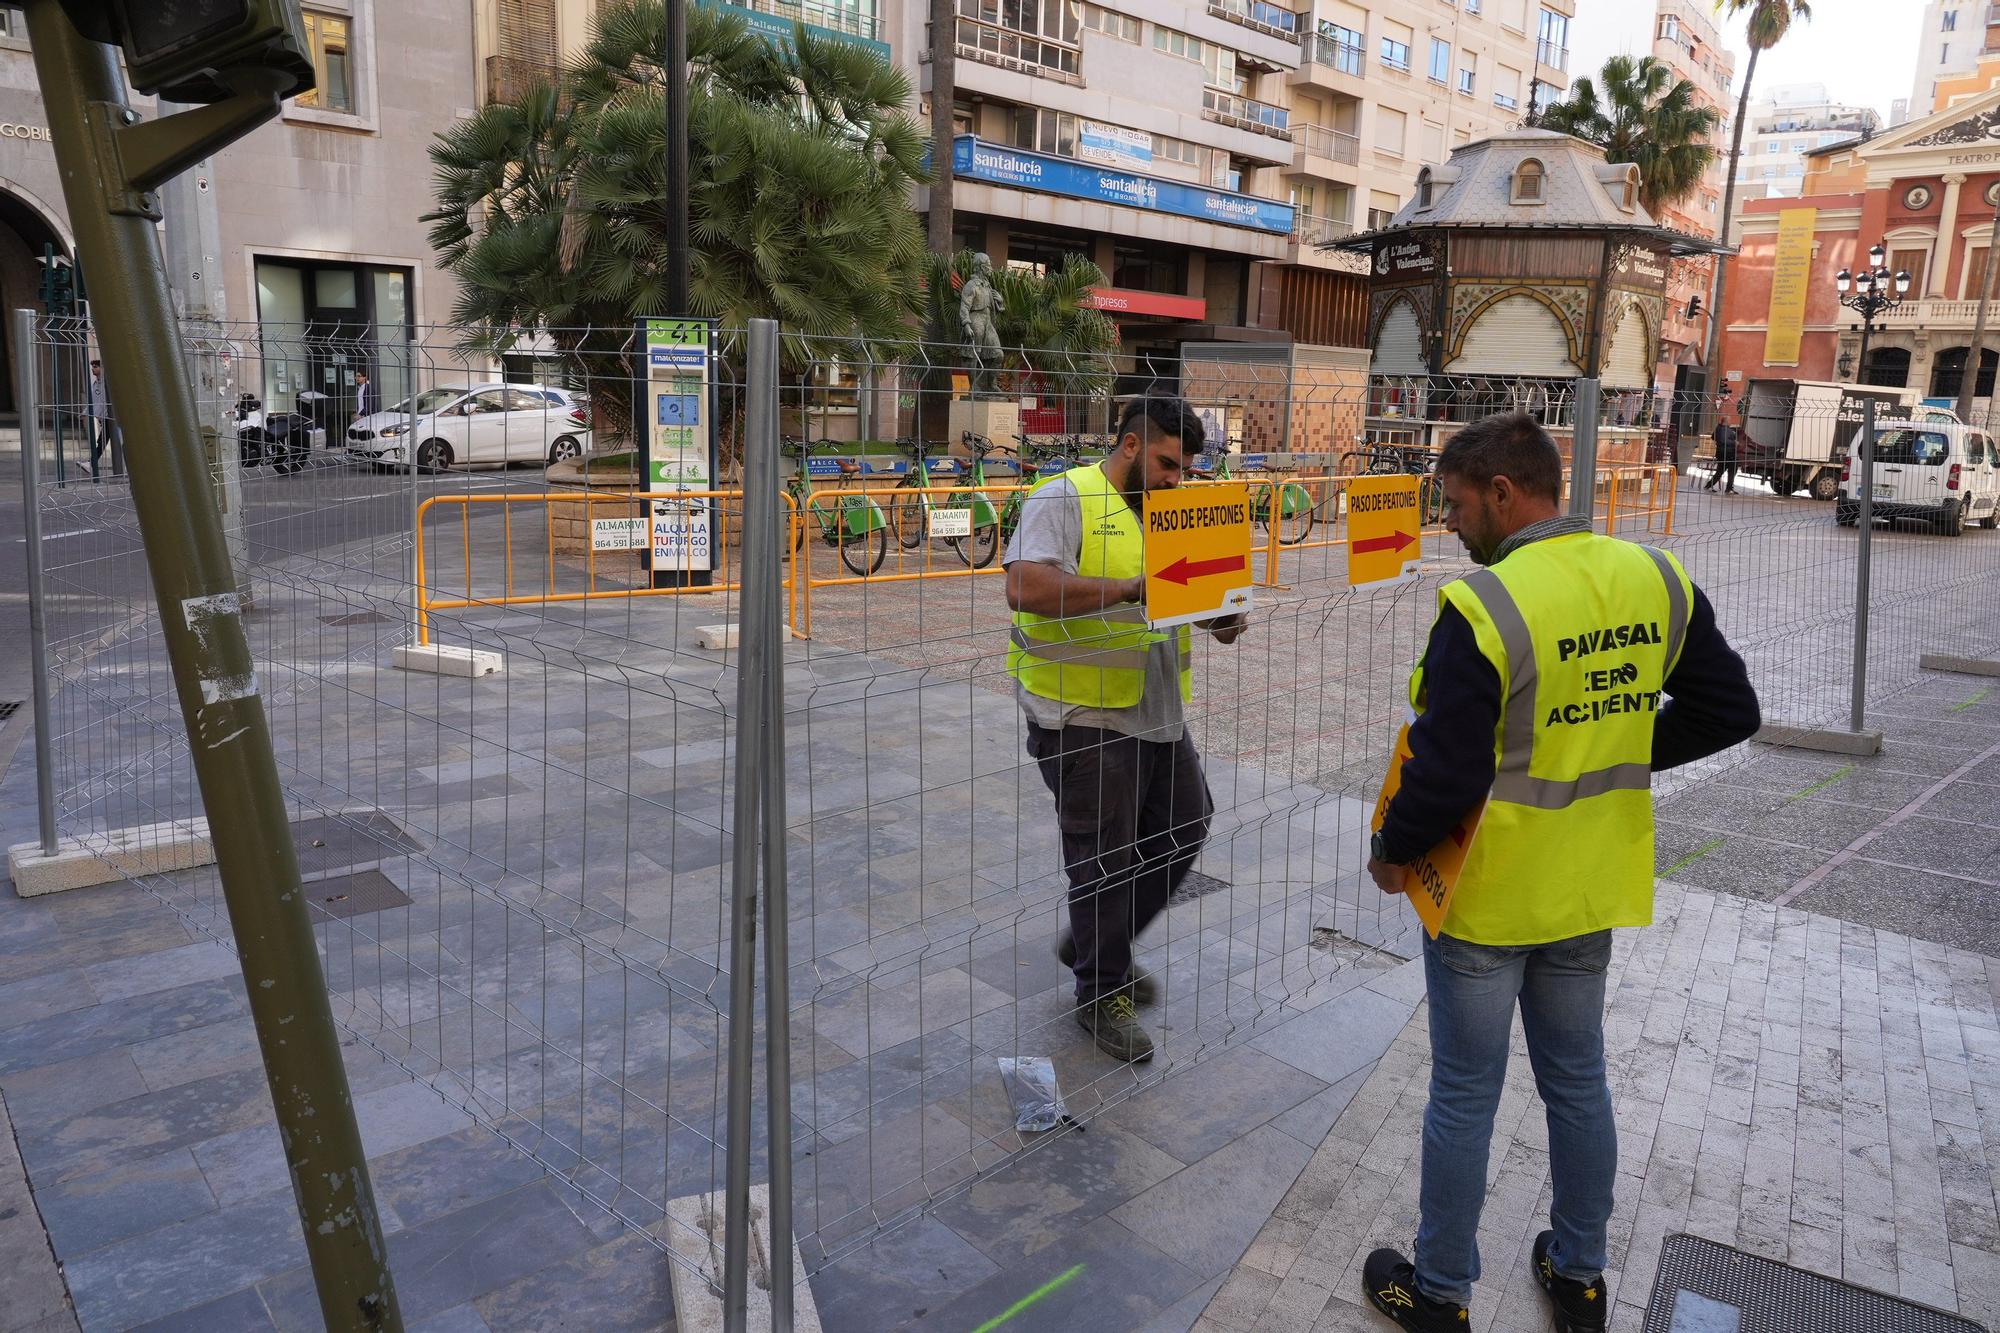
[
  {"x": 964, "y": 519},
  {"x": 854, "y": 525},
  {"x": 1297, "y": 510}
]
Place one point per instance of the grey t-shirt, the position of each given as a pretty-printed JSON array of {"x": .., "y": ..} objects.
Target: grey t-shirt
[{"x": 1051, "y": 533}]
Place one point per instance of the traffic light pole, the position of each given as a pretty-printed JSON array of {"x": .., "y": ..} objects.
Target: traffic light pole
[{"x": 111, "y": 167}]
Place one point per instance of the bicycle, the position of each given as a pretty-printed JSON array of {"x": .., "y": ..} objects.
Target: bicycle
[
  {"x": 912, "y": 515},
  {"x": 1035, "y": 462},
  {"x": 1297, "y": 510},
  {"x": 853, "y": 524},
  {"x": 1390, "y": 460}
]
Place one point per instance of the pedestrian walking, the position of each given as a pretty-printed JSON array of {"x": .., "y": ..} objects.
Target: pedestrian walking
[
  {"x": 1104, "y": 699},
  {"x": 103, "y": 427},
  {"x": 367, "y": 399},
  {"x": 1725, "y": 455},
  {"x": 1556, "y": 681}
]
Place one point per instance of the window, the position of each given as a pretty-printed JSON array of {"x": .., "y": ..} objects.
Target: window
[
  {"x": 1044, "y": 131},
  {"x": 1222, "y": 70},
  {"x": 1166, "y": 148},
  {"x": 326, "y": 40},
  {"x": 1378, "y": 218},
  {"x": 1440, "y": 60},
  {"x": 1473, "y": 6},
  {"x": 1033, "y": 32},
  {"x": 1950, "y": 23},
  {"x": 1796, "y": 169},
  {"x": 1465, "y": 80},
  {"x": 13, "y": 22},
  {"x": 1801, "y": 145},
  {"x": 1390, "y": 126},
  {"x": 1145, "y": 270},
  {"x": 1111, "y": 23},
  {"x": 1629, "y": 197},
  {"x": 1424, "y": 188},
  {"x": 1770, "y": 173},
  {"x": 1774, "y": 147},
  {"x": 1507, "y": 88},
  {"x": 1670, "y": 27},
  {"x": 1552, "y": 43},
  {"x": 1528, "y": 182},
  {"x": 1433, "y": 142},
  {"x": 1395, "y": 54},
  {"x": 1040, "y": 253},
  {"x": 1340, "y": 47},
  {"x": 1176, "y": 43},
  {"x": 1909, "y": 261}
]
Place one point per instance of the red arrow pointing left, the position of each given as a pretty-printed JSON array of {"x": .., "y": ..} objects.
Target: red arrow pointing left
[
  {"x": 1395, "y": 541},
  {"x": 1184, "y": 569}
]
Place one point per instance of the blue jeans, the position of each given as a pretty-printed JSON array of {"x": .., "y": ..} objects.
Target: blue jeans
[{"x": 1473, "y": 989}]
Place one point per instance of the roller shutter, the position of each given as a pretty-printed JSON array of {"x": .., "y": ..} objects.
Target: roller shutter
[
  {"x": 1517, "y": 336},
  {"x": 1399, "y": 347}
]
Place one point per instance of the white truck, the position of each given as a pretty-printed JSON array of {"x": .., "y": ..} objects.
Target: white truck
[{"x": 1797, "y": 434}]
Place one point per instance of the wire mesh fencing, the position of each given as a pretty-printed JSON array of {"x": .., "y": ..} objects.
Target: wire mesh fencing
[{"x": 522, "y": 880}]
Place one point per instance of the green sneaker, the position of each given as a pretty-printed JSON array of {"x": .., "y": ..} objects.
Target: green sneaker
[
  {"x": 1113, "y": 1023},
  {"x": 1144, "y": 989}
]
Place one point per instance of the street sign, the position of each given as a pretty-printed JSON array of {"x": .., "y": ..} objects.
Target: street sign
[
  {"x": 1384, "y": 536},
  {"x": 1197, "y": 553},
  {"x": 679, "y": 369}
]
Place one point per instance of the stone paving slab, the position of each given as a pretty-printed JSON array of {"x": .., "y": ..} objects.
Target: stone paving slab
[{"x": 1819, "y": 1092}]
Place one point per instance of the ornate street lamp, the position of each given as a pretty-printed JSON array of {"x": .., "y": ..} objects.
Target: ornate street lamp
[{"x": 1871, "y": 293}]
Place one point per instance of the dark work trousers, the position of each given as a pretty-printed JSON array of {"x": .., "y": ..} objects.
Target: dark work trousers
[
  {"x": 104, "y": 431},
  {"x": 1725, "y": 461},
  {"x": 1134, "y": 815}
]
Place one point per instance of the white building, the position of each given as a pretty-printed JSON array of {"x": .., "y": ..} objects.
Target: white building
[{"x": 1790, "y": 121}]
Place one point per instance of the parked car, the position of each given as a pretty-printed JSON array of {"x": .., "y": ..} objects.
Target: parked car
[
  {"x": 1941, "y": 472},
  {"x": 482, "y": 425}
]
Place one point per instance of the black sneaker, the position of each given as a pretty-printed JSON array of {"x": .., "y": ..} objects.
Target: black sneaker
[
  {"x": 1580, "y": 1307},
  {"x": 1391, "y": 1281},
  {"x": 1144, "y": 989},
  {"x": 1114, "y": 1025}
]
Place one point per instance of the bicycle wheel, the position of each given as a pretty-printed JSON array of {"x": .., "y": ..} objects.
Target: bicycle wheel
[
  {"x": 1296, "y": 513},
  {"x": 909, "y": 515},
  {"x": 864, "y": 552},
  {"x": 979, "y": 549}
]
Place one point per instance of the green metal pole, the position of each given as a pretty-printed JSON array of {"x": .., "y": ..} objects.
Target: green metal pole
[{"x": 201, "y": 621}]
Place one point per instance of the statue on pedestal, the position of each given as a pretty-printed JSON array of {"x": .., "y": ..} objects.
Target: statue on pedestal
[{"x": 978, "y": 302}]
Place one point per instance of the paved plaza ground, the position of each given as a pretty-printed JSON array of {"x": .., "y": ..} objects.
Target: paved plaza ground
[{"x": 1822, "y": 973}]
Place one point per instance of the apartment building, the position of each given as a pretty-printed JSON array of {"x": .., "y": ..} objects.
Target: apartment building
[
  {"x": 1789, "y": 122},
  {"x": 1955, "y": 33},
  {"x": 1685, "y": 38},
  {"x": 317, "y": 211}
]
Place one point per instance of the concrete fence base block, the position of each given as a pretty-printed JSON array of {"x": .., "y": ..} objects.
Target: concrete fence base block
[
  {"x": 106, "y": 858},
  {"x": 1824, "y": 739},
  {"x": 1963, "y": 666},
  {"x": 722, "y": 638},
  {"x": 443, "y": 661},
  {"x": 693, "y": 1232}
]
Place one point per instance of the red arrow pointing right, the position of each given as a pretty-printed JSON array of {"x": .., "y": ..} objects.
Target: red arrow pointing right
[{"x": 1395, "y": 541}]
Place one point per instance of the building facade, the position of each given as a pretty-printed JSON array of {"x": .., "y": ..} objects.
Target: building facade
[
  {"x": 1953, "y": 35},
  {"x": 1789, "y": 122},
  {"x": 1686, "y": 40},
  {"x": 318, "y": 211},
  {"x": 1927, "y": 193}
]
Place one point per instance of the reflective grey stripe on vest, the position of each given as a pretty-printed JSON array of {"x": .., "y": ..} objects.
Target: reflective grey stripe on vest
[
  {"x": 1556, "y": 794},
  {"x": 1677, "y": 605},
  {"x": 1081, "y": 651},
  {"x": 1517, "y": 736}
]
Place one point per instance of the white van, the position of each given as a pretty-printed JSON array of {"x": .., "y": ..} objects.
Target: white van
[{"x": 1942, "y": 472}]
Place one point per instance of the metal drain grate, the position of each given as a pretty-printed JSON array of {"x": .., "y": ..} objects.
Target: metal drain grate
[
  {"x": 357, "y": 894},
  {"x": 358, "y": 618},
  {"x": 1770, "y": 1297},
  {"x": 1197, "y": 885},
  {"x": 9, "y": 707}
]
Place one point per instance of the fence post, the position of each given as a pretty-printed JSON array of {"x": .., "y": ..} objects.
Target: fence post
[
  {"x": 207, "y": 646},
  {"x": 28, "y": 394},
  {"x": 416, "y": 512},
  {"x": 1583, "y": 451},
  {"x": 763, "y": 664},
  {"x": 1865, "y": 520}
]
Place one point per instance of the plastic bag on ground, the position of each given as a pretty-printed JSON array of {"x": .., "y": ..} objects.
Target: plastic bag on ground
[{"x": 1031, "y": 1085}]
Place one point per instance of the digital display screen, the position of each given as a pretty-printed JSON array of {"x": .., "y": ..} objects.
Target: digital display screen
[{"x": 679, "y": 409}]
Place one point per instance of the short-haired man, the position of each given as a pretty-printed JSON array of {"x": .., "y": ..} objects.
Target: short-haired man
[
  {"x": 1103, "y": 698},
  {"x": 1556, "y": 681}
]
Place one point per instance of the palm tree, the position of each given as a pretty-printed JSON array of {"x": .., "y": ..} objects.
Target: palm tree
[
  {"x": 801, "y": 157},
  {"x": 944, "y": 96},
  {"x": 1638, "y": 112},
  {"x": 1770, "y": 20}
]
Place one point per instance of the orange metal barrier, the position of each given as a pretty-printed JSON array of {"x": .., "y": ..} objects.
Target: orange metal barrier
[
  {"x": 727, "y": 512},
  {"x": 1636, "y": 491}
]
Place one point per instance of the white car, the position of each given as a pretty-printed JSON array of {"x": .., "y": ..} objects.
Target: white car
[
  {"x": 1942, "y": 472},
  {"x": 485, "y": 425}
]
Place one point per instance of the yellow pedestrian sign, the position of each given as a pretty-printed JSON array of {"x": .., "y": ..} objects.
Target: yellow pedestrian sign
[
  {"x": 1197, "y": 553},
  {"x": 1384, "y": 536}
]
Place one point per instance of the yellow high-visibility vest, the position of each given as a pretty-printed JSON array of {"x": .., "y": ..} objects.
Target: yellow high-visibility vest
[
  {"x": 1583, "y": 631},
  {"x": 1096, "y": 660}
]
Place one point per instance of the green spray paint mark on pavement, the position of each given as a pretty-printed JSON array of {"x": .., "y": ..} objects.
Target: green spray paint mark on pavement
[
  {"x": 1693, "y": 856},
  {"x": 1960, "y": 708},
  {"x": 1043, "y": 1292},
  {"x": 1838, "y": 775}
]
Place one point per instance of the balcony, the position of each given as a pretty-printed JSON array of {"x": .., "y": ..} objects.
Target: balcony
[
  {"x": 1265, "y": 18},
  {"x": 1315, "y": 231},
  {"x": 1323, "y": 60},
  {"x": 1025, "y": 53},
  {"x": 836, "y": 17},
  {"x": 1245, "y": 113},
  {"x": 1553, "y": 56},
  {"x": 1939, "y": 314},
  {"x": 1333, "y": 145}
]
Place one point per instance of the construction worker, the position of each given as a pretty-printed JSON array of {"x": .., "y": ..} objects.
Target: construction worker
[
  {"x": 1556, "y": 681},
  {"x": 1104, "y": 700}
]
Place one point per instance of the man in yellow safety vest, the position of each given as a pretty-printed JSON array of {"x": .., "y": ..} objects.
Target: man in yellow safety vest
[
  {"x": 1556, "y": 681},
  {"x": 1103, "y": 698}
]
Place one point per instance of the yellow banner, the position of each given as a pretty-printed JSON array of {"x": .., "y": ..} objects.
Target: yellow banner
[{"x": 1791, "y": 278}]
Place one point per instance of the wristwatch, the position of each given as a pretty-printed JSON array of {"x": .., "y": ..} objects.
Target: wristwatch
[{"x": 1378, "y": 849}]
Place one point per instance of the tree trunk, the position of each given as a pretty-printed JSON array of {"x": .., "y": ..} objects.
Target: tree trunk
[
  {"x": 1968, "y": 384},
  {"x": 1722, "y": 261},
  {"x": 944, "y": 94}
]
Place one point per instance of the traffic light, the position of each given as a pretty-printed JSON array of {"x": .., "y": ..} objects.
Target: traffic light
[{"x": 202, "y": 50}]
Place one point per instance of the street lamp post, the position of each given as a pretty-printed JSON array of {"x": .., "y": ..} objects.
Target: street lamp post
[{"x": 1871, "y": 293}]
